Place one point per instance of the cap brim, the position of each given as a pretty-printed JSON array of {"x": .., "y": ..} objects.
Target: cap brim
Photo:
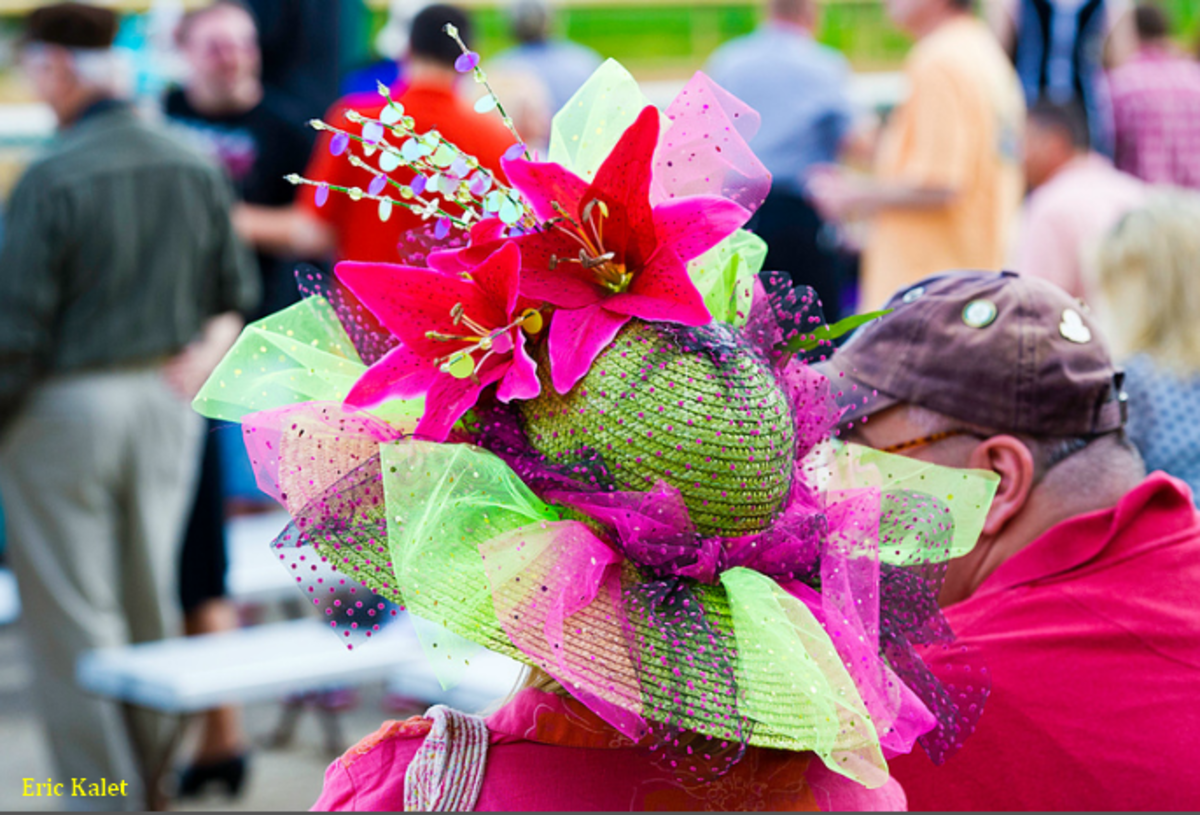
[{"x": 855, "y": 397}]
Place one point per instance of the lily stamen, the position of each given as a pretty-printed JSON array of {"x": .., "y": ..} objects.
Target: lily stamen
[
  {"x": 529, "y": 320},
  {"x": 590, "y": 236}
]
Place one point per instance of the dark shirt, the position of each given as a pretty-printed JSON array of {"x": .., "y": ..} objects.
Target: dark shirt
[
  {"x": 256, "y": 148},
  {"x": 303, "y": 44},
  {"x": 118, "y": 247},
  {"x": 1058, "y": 56}
]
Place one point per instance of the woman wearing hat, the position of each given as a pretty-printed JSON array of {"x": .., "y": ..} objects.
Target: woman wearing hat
[{"x": 586, "y": 439}]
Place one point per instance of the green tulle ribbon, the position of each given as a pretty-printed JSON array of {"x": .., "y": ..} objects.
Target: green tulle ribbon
[
  {"x": 963, "y": 498},
  {"x": 793, "y": 684},
  {"x": 587, "y": 128},
  {"x": 300, "y": 354},
  {"x": 444, "y": 501},
  {"x": 724, "y": 276}
]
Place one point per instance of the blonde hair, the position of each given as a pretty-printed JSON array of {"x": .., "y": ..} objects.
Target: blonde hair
[
  {"x": 530, "y": 677},
  {"x": 1148, "y": 267}
]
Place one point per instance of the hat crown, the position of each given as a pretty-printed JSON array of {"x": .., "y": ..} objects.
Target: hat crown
[{"x": 698, "y": 410}]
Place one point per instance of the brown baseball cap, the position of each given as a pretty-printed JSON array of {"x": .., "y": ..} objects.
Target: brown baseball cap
[
  {"x": 1011, "y": 353},
  {"x": 72, "y": 25}
]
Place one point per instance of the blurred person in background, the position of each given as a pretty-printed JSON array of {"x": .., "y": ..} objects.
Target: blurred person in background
[
  {"x": 947, "y": 186},
  {"x": 1151, "y": 296},
  {"x": 1076, "y": 196},
  {"x": 432, "y": 96},
  {"x": 1080, "y": 594},
  {"x": 1060, "y": 49},
  {"x": 1156, "y": 106},
  {"x": 224, "y": 111},
  {"x": 301, "y": 43},
  {"x": 799, "y": 87},
  {"x": 121, "y": 283},
  {"x": 563, "y": 65},
  {"x": 390, "y": 47},
  {"x": 527, "y": 100}
]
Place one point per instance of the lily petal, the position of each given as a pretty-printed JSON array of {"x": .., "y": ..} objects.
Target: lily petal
[
  {"x": 691, "y": 226},
  {"x": 399, "y": 374},
  {"x": 445, "y": 403},
  {"x": 411, "y": 301},
  {"x": 663, "y": 291},
  {"x": 486, "y": 236},
  {"x": 543, "y": 184},
  {"x": 521, "y": 380},
  {"x": 559, "y": 287},
  {"x": 487, "y": 230},
  {"x": 577, "y": 336},
  {"x": 499, "y": 277},
  {"x": 567, "y": 285},
  {"x": 623, "y": 183}
]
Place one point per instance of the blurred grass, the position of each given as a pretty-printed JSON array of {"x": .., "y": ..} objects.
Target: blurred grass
[{"x": 674, "y": 39}]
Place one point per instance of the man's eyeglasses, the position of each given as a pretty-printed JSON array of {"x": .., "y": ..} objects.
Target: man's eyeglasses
[
  {"x": 1047, "y": 452},
  {"x": 932, "y": 438}
]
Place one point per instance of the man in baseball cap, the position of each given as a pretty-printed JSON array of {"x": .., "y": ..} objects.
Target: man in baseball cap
[{"x": 1080, "y": 594}]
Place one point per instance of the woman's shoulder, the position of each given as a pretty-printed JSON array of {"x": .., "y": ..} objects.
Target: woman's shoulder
[
  {"x": 370, "y": 775},
  {"x": 411, "y": 730}
]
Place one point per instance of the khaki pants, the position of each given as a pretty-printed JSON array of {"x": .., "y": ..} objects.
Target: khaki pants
[{"x": 96, "y": 475}]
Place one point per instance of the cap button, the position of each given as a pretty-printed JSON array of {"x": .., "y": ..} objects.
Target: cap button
[
  {"x": 1073, "y": 329},
  {"x": 979, "y": 313}
]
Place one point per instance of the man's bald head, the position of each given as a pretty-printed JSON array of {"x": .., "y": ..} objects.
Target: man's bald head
[{"x": 800, "y": 12}]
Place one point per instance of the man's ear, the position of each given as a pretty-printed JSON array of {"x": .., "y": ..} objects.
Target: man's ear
[{"x": 1010, "y": 459}]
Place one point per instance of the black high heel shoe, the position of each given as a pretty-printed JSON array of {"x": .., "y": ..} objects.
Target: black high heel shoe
[{"x": 229, "y": 773}]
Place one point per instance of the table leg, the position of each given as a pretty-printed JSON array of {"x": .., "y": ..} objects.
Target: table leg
[{"x": 152, "y": 768}]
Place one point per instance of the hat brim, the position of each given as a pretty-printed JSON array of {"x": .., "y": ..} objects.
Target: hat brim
[{"x": 856, "y": 398}]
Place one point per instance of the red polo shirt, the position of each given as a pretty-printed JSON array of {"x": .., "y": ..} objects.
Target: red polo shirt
[
  {"x": 360, "y": 234},
  {"x": 1092, "y": 636}
]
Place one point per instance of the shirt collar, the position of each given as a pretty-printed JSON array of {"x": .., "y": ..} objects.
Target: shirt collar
[
  {"x": 1153, "y": 52},
  {"x": 98, "y": 108},
  {"x": 1157, "y": 511},
  {"x": 547, "y": 718},
  {"x": 430, "y": 89},
  {"x": 790, "y": 29},
  {"x": 1090, "y": 160}
]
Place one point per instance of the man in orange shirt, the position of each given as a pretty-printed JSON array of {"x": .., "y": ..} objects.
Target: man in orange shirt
[
  {"x": 351, "y": 230},
  {"x": 947, "y": 185}
]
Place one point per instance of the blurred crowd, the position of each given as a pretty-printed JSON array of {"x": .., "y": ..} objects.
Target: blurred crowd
[{"x": 1056, "y": 138}]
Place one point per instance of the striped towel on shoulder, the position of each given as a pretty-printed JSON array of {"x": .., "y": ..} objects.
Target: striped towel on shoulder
[{"x": 446, "y": 774}]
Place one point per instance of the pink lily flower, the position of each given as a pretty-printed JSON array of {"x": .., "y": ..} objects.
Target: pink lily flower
[
  {"x": 603, "y": 254},
  {"x": 459, "y": 334}
]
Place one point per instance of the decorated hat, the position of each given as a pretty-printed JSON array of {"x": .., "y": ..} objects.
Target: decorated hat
[{"x": 576, "y": 426}]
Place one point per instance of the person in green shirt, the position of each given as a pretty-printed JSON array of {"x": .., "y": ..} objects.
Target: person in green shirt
[{"x": 121, "y": 284}]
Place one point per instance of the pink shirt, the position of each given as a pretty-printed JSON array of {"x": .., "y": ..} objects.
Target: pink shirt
[
  {"x": 1069, "y": 214},
  {"x": 548, "y": 753},
  {"x": 1156, "y": 111},
  {"x": 1092, "y": 637}
]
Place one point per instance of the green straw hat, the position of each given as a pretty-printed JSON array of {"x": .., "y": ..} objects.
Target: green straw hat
[{"x": 719, "y": 432}]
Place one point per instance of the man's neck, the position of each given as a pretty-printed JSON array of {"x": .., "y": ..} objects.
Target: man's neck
[
  {"x": 69, "y": 110},
  {"x": 1077, "y": 158},
  {"x": 429, "y": 74},
  {"x": 211, "y": 102},
  {"x": 1156, "y": 48},
  {"x": 1059, "y": 498},
  {"x": 922, "y": 28}
]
